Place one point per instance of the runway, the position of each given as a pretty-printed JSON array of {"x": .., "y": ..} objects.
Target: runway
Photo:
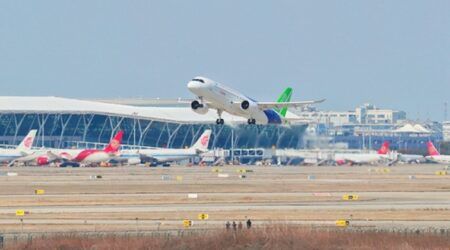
[{"x": 154, "y": 198}]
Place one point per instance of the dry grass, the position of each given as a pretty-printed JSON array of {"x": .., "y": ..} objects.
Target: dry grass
[{"x": 273, "y": 237}]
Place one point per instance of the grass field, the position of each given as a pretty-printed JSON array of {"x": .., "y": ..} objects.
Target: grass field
[{"x": 273, "y": 237}]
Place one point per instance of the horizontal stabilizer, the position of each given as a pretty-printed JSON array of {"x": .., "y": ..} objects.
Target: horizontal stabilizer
[{"x": 280, "y": 105}]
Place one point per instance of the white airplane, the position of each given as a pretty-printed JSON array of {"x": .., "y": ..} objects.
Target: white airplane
[
  {"x": 211, "y": 94},
  {"x": 409, "y": 158},
  {"x": 166, "y": 155},
  {"x": 365, "y": 158},
  {"x": 22, "y": 150},
  {"x": 435, "y": 156}
]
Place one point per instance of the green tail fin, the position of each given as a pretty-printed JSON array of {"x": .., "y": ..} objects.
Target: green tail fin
[{"x": 284, "y": 97}]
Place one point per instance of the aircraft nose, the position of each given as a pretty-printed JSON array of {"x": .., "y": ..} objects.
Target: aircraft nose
[{"x": 192, "y": 85}]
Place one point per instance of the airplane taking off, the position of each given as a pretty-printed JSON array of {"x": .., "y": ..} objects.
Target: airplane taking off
[
  {"x": 166, "y": 155},
  {"x": 90, "y": 156},
  {"x": 22, "y": 150},
  {"x": 435, "y": 156},
  {"x": 382, "y": 153},
  {"x": 211, "y": 94}
]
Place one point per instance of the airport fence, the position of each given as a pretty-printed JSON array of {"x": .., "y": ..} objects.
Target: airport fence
[
  {"x": 18, "y": 237},
  {"x": 14, "y": 238}
]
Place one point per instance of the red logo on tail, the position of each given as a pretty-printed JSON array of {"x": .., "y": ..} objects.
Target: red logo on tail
[
  {"x": 115, "y": 143},
  {"x": 204, "y": 140},
  {"x": 27, "y": 142}
]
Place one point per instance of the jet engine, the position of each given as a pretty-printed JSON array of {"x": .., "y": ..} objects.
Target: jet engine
[
  {"x": 200, "y": 108},
  {"x": 42, "y": 160},
  {"x": 134, "y": 161},
  {"x": 248, "y": 106}
]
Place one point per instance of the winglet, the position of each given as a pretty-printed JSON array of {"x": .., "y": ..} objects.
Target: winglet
[
  {"x": 319, "y": 101},
  {"x": 114, "y": 145}
]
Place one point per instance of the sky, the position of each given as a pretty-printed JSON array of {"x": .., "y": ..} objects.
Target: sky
[{"x": 394, "y": 54}]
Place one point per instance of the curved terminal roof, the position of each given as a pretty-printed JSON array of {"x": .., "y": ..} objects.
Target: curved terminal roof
[
  {"x": 51, "y": 104},
  {"x": 409, "y": 128}
]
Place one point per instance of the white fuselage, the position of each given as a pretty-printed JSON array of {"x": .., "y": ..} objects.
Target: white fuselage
[
  {"x": 10, "y": 154},
  {"x": 169, "y": 154},
  {"x": 360, "y": 158},
  {"x": 97, "y": 157},
  {"x": 223, "y": 98},
  {"x": 411, "y": 158},
  {"x": 163, "y": 155},
  {"x": 444, "y": 159}
]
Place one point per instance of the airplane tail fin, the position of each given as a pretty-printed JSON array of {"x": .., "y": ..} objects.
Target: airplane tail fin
[
  {"x": 27, "y": 142},
  {"x": 284, "y": 97},
  {"x": 202, "y": 143},
  {"x": 114, "y": 145},
  {"x": 384, "y": 148},
  {"x": 432, "y": 151}
]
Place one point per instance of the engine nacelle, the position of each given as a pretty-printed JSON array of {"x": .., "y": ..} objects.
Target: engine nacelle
[
  {"x": 198, "y": 107},
  {"x": 134, "y": 161},
  {"x": 42, "y": 160},
  {"x": 245, "y": 105},
  {"x": 248, "y": 106},
  {"x": 340, "y": 162}
]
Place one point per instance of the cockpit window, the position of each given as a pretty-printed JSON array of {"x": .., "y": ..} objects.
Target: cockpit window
[{"x": 198, "y": 80}]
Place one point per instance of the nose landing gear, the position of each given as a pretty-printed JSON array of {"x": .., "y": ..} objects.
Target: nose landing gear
[{"x": 251, "y": 121}]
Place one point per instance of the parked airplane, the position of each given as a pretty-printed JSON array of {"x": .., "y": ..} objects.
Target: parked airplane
[
  {"x": 89, "y": 156},
  {"x": 22, "y": 150},
  {"x": 435, "y": 156},
  {"x": 364, "y": 158},
  {"x": 166, "y": 155},
  {"x": 409, "y": 158},
  {"x": 211, "y": 94}
]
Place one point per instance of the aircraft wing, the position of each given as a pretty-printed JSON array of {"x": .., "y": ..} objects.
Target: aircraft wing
[
  {"x": 148, "y": 158},
  {"x": 177, "y": 101},
  {"x": 62, "y": 156},
  {"x": 279, "y": 105},
  {"x": 297, "y": 120},
  {"x": 188, "y": 102},
  {"x": 25, "y": 157}
]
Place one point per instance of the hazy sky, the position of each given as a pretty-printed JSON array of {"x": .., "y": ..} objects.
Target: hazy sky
[{"x": 394, "y": 54}]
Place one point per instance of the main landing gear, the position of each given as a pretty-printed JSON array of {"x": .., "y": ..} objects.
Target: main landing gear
[
  {"x": 251, "y": 121},
  {"x": 219, "y": 120}
]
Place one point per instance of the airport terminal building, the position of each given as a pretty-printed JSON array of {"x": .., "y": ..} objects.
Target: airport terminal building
[{"x": 62, "y": 121}]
